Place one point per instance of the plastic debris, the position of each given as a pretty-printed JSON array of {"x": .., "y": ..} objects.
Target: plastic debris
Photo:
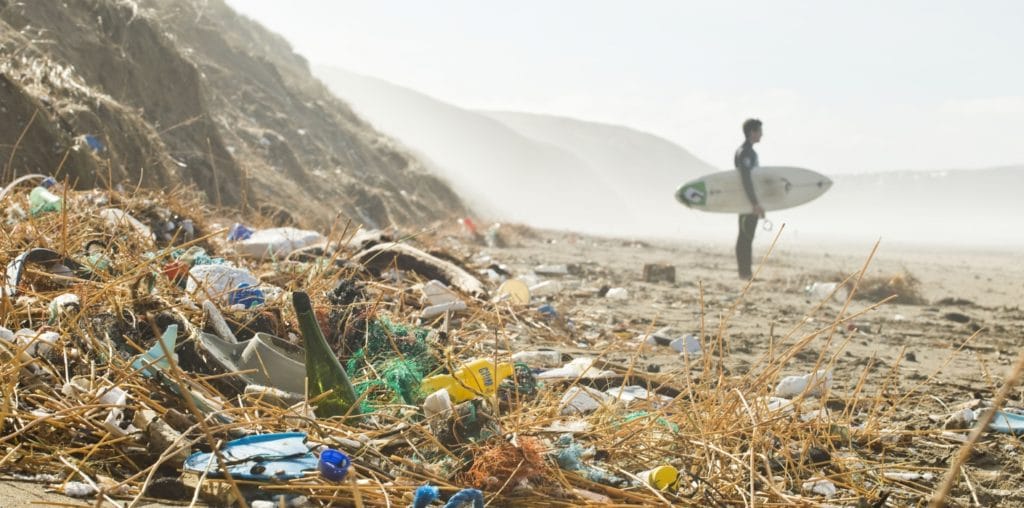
[
  {"x": 819, "y": 291},
  {"x": 811, "y": 385},
  {"x": 579, "y": 367},
  {"x": 513, "y": 291},
  {"x": 265, "y": 457},
  {"x": 617, "y": 294},
  {"x": 821, "y": 487},
  {"x": 274, "y": 242},
  {"x": 960, "y": 420},
  {"x": 539, "y": 359},
  {"x": 156, "y": 358},
  {"x": 41, "y": 201},
  {"x": 216, "y": 282},
  {"x": 661, "y": 477},
  {"x": 443, "y": 308},
  {"x": 479, "y": 377},
  {"x": 582, "y": 400},
  {"x": 333, "y": 465},
  {"x": 1007, "y": 423},
  {"x": 117, "y": 218},
  {"x": 258, "y": 361}
]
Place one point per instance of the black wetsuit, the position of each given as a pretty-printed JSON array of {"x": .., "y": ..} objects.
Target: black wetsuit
[{"x": 745, "y": 161}]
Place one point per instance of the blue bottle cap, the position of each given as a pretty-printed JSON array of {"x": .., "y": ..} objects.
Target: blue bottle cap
[{"x": 333, "y": 465}]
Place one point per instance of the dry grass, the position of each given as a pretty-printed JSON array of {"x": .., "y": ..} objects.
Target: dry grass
[{"x": 718, "y": 429}]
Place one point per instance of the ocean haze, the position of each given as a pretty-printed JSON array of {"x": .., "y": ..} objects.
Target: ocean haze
[
  {"x": 566, "y": 173},
  {"x": 844, "y": 87}
]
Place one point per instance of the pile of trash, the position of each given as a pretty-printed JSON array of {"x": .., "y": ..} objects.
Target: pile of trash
[{"x": 153, "y": 352}]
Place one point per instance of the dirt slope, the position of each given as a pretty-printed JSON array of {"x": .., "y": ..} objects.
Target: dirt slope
[{"x": 189, "y": 91}]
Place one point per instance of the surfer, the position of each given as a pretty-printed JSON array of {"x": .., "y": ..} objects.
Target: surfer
[{"x": 745, "y": 161}]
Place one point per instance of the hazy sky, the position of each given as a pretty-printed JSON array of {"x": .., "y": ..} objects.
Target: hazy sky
[{"x": 841, "y": 86}]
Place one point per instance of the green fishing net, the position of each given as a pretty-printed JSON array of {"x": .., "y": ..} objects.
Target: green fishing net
[{"x": 393, "y": 360}]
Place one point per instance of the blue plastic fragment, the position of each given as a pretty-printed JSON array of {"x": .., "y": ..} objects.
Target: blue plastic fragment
[
  {"x": 48, "y": 182},
  {"x": 238, "y": 232},
  {"x": 282, "y": 456},
  {"x": 246, "y": 296},
  {"x": 333, "y": 465},
  {"x": 466, "y": 497},
  {"x": 94, "y": 143},
  {"x": 548, "y": 311},
  {"x": 425, "y": 494}
]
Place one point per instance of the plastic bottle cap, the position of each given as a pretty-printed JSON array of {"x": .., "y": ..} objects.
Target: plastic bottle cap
[
  {"x": 333, "y": 465},
  {"x": 662, "y": 477}
]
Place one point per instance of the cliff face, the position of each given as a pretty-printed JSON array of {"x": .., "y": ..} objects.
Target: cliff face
[{"x": 159, "y": 92}]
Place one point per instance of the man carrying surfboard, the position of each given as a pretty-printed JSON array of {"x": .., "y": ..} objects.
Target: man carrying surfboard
[{"x": 745, "y": 161}]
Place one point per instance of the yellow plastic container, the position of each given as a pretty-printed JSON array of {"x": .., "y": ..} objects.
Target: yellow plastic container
[
  {"x": 475, "y": 378},
  {"x": 661, "y": 477}
]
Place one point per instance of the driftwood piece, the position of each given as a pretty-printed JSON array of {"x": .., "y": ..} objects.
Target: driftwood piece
[{"x": 405, "y": 257}]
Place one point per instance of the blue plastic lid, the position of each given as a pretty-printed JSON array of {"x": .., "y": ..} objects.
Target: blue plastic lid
[{"x": 333, "y": 464}]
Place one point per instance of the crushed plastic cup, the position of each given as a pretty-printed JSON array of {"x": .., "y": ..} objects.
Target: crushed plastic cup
[
  {"x": 333, "y": 465},
  {"x": 579, "y": 367}
]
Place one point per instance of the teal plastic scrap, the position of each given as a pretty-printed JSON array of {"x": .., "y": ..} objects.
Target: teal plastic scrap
[
  {"x": 636, "y": 415},
  {"x": 155, "y": 360},
  {"x": 1007, "y": 423},
  {"x": 267, "y": 457},
  {"x": 569, "y": 459},
  {"x": 154, "y": 364}
]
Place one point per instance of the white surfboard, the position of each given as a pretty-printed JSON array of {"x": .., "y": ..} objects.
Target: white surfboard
[{"x": 776, "y": 187}]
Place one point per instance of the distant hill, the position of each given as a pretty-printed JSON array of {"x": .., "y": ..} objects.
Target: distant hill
[{"x": 543, "y": 170}]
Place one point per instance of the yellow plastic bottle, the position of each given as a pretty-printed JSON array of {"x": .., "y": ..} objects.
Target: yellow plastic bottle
[{"x": 475, "y": 378}]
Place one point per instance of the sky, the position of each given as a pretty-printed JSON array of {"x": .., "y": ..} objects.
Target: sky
[{"x": 842, "y": 87}]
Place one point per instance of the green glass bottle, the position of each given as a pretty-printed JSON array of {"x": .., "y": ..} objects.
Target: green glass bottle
[{"x": 323, "y": 371}]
